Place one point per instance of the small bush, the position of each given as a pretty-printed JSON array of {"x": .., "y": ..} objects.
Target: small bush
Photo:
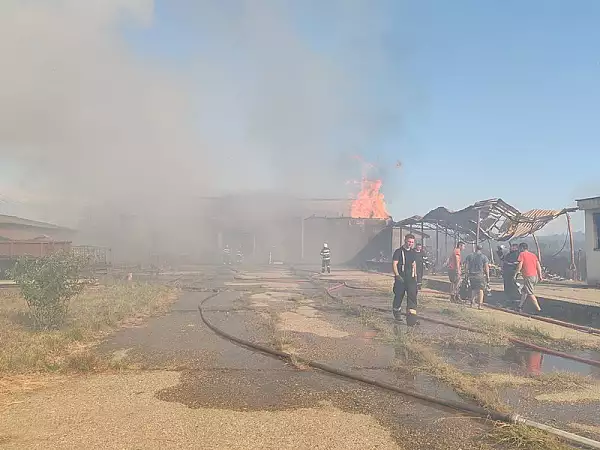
[{"x": 48, "y": 284}]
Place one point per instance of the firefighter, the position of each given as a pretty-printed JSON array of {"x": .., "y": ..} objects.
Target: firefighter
[
  {"x": 325, "y": 259},
  {"x": 226, "y": 255},
  {"x": 239, "y": 256}
]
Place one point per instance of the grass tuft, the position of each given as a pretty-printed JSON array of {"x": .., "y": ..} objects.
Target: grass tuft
[
  {"x": 523, "y": 437},
  {"x": 92, "y": 314}
]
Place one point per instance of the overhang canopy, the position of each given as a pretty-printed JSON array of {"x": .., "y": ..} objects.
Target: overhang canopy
[{"x": 497, "y": 220}]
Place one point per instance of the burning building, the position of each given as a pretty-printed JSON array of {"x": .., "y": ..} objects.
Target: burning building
[
  {"x": 264, "y": 226},
  {"x": 290, "y": 230}
]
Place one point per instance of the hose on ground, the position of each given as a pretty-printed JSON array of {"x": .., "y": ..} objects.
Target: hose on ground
[
  {"x": 464, "y": 407},
  {"x": 549, "y": 351},
  {"x": 470, "y": 409}
]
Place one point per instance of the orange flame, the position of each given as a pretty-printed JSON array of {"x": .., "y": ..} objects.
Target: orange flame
[{"x": 369, "y": 203}]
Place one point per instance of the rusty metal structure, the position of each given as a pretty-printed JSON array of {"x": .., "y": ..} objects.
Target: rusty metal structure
[{"x": 488, "y": 220}]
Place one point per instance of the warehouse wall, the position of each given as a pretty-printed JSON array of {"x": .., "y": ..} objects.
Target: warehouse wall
[{"x": 346, "y": 237}]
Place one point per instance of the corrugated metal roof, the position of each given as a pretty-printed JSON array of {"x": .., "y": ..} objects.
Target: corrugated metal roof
[
  {"x": 530, "y": 222},
  {"x": 497, "y": 220}
]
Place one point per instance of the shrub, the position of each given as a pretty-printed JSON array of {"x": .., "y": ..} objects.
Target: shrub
[{"x": 48, "y": 284}]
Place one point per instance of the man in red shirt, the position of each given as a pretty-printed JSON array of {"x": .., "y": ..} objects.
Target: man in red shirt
[
  {"x": 454, "y": 271},
  {"x": 529, "y": 266}
]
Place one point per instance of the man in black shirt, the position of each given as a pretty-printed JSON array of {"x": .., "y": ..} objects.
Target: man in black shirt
[
  {"x": 405, "y": 283},
  {"x": 509, "y": 268}
]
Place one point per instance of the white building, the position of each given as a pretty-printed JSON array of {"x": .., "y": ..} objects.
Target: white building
[{"x": 591, "y": 206}]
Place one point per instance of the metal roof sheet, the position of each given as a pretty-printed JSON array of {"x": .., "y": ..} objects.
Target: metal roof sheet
[{"x": 497, "y": 220}]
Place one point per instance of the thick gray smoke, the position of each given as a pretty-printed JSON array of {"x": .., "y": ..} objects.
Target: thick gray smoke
[
  {"x": 79, "y": 114},
  {"x": 87, "y": 118}
]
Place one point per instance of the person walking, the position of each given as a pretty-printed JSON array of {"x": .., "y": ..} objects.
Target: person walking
[
  {"x": 454, "y": 271},
  {"x": 509, "y": 272},
  {"x": 529, "y": 266},
  {"x": 405, "y": 281},
  {"x": 478, "y": 270}
]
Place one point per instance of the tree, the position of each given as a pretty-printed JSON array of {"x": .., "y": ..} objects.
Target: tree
[{"x": 48, "y": 284}]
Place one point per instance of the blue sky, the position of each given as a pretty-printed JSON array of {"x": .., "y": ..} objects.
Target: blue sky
[
  {"x": 478, "y": 99},
  {"x": 507, "y": 87},
  {"x": 495, "y": 99}
]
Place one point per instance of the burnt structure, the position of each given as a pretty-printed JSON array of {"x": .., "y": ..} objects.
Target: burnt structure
[
  {"x": 266, "y": 227},
  {"x": 276, "y": 228},
  {"x": 491, "y": 220}
]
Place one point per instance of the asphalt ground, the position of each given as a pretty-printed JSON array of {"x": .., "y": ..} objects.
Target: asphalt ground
[{"x": 182, "y": 386}]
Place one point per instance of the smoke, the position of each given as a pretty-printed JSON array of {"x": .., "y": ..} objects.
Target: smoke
[
  {"x": 79, "y": 113},
  {"x": 136, "y": 104},
  {"x": 256, "y": 105}
]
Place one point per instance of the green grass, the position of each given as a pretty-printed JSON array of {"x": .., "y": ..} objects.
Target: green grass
[{"x": 94, "y": 313}]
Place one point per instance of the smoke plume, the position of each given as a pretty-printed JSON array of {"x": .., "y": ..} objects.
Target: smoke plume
[
  {"x": 116, "y": 107},
  {"x": 255, "y": 105}
]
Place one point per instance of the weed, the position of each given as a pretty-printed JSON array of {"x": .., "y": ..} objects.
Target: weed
[
  {"x": 451, "y": 312},
  {"x": 533, "y": 334},
  {"x": 425, "y": 360},
  {"x": 523, "y": 437},
  {"x": 282, "y": 341},
  {"x": 506, "y": 380},
  {"x": 85, "y": 361},
  {"x": 564, "y": 380}
]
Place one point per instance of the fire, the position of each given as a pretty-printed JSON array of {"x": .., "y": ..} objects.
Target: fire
[{"x": 369, "y": 202}]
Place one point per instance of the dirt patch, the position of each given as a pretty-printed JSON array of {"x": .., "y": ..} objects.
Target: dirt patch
[
  {"x": 272, "y": 296},
  {"x": 260, "y": 304},
  {"x": 13, "y": 389},
  {"x": 281, "y": 285},
  {"x": 308, "y": 311},
  {"x": 291, "y": 321},
  {"x": 121, "y": 411},
  {"x": 582, "y": 395}
]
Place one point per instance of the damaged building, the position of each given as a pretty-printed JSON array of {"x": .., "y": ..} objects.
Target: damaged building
[{"x": 266, "y": 227}]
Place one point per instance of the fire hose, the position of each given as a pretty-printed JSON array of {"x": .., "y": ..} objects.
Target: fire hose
[
  {"x": 562, "y": 323},
  {"x": 476, "y": 411},
  {"x": 549, "y": 351}
]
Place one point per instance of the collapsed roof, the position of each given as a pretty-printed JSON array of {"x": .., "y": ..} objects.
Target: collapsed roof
[{"x": 498, "y": 220}]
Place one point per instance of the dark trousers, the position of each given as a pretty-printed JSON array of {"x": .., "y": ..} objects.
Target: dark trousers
[
  {"x": 325, "y": 264},
  {"x": 511, "y": 290},
  {"x": 419, "y": 280},
  {"x": 406, "y": 288}
]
